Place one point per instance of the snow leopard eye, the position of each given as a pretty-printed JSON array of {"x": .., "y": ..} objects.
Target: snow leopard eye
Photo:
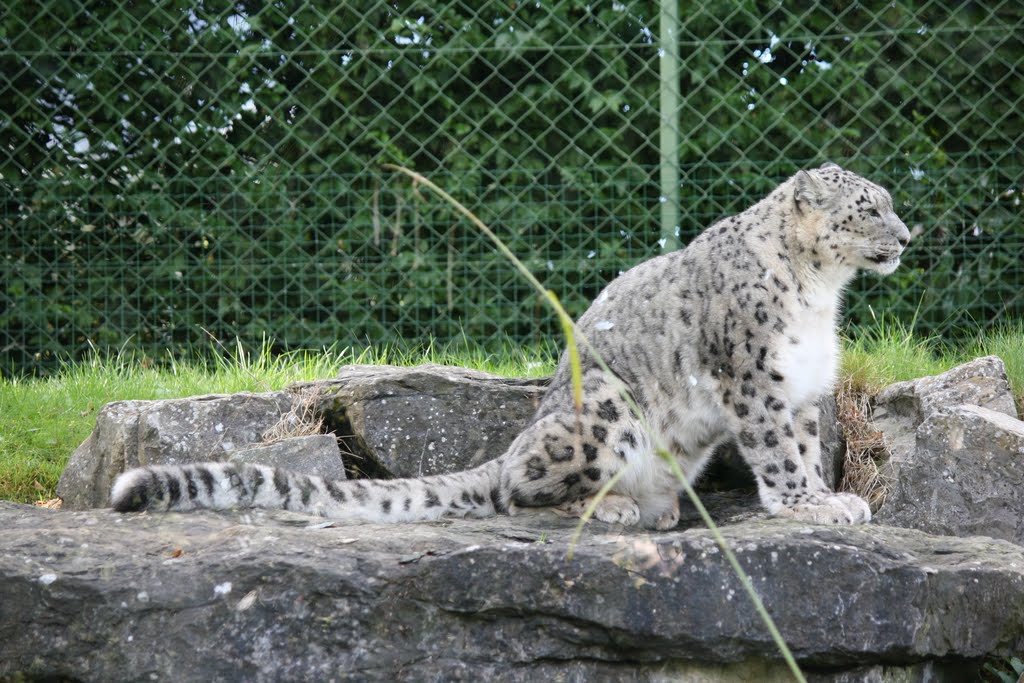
[{"x": 874, "y": 213}]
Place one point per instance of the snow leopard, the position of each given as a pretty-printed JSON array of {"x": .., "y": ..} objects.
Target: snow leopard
[{"x": 733, "y": 338}]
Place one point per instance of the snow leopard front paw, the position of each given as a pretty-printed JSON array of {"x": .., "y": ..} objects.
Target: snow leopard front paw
[
  {"x": 834, "y": 508},
  {"x": 612, "y": 508},
  {"x": 668, "y": 520}
]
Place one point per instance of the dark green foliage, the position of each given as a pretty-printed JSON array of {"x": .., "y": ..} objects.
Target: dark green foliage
[
  {"x": 175, "y": 170},
  {"x": 1009, "y": 670}
]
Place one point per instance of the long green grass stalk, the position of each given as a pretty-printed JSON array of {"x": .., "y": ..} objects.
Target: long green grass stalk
[{"x": 574, "y": 336}]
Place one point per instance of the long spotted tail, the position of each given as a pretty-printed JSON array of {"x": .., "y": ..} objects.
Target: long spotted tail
[{"x": 221, "y": 486}]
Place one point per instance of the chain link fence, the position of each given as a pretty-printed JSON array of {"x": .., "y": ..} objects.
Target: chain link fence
[{"x": 179, "y": 171}]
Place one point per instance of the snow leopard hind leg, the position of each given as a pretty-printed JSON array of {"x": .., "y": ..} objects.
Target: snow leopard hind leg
[{"x": 565, "y": 457}]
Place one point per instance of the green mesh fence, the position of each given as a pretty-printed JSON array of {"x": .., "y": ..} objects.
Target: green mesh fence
[{"x": 179, "y": 171}]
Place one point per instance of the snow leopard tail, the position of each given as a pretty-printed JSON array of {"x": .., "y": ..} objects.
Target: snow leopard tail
[{"x": 221, "y": 486}]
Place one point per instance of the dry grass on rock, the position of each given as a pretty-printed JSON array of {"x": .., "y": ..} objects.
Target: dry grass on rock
[
  {"x": 302, "y": 420},
  {"x": 866, "y": 450}
]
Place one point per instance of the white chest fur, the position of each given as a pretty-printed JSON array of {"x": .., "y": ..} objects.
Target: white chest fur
[{"x": 809, "y": 355}]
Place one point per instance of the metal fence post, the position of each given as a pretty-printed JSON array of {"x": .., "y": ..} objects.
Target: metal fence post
[{"x": 668, "y": 128}]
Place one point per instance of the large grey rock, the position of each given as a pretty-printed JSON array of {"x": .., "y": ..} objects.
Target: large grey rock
[
  {"x": 93, "y": 596},
  {"x": 980, "y": 382},
  {"x": 392, "y": 421},
  {"x": 431, "y": 419},
  {"x": 966, "y": 476},
  {"x": 196, "y": 429},
  {"x": 957, "y": 452},
  {"x": 900, "y": 408},
  {"x": 315, "y": 455}
]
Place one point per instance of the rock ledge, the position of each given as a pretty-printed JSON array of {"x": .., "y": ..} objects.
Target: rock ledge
[{"x": 258, "y": 596}]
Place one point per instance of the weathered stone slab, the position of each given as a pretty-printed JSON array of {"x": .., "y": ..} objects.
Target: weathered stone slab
[
  {"x": 431, "y": 419},
  {"x": 92, "y": 468},
  {"x": 316, "y": 455},
  {"x": 957, "y": 464},
  {"x": 901, "y": 407},
  {"x": 966, "y": 476},
  {"x": 133, "y": 433},
  {"x": 980, "y": 382},
  {"x": 94, "y": 596}
]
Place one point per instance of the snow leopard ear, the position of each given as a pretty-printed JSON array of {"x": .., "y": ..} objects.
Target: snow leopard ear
[
  {"x": 828, "y": 165},
  {"x": 810, "y": 192}
]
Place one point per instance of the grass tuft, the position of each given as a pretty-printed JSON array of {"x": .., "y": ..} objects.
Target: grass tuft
[
  {"x": 1007, "y": 342},
  {"x": 301, "y": 420},
  {"x": 887, "y": 352}
]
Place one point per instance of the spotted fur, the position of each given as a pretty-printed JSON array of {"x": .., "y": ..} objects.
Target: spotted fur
[{"x": 733, "y": 338}]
